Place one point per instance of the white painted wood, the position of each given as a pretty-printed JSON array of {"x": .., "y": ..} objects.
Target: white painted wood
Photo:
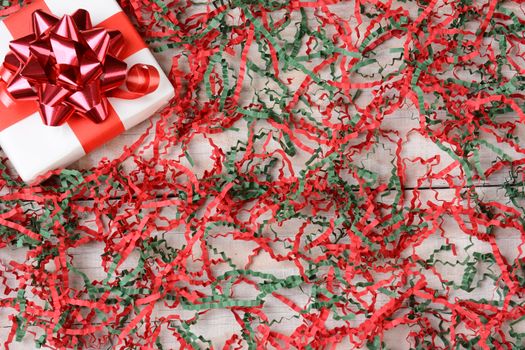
[
  {"x": 379, "y": 159},
  {"x": 218, "y": 325}
]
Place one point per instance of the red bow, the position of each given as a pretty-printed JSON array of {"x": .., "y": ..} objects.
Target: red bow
[{"x": 70, "y": 67}]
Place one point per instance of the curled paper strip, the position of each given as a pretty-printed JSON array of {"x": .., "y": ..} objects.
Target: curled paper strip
[{"x": 70, "y": 67}]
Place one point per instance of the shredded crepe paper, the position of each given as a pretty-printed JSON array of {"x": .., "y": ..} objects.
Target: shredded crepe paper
[{"x": 331, "y": 174}]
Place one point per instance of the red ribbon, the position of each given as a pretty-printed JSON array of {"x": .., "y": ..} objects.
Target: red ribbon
[{"x": 69, "y": 67}]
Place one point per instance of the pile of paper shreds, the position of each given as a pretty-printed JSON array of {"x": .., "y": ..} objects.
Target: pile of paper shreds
[{"x": 330, "y": 174}]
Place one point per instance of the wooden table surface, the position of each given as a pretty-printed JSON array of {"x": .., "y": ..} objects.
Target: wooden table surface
[{"x": 218, "y": 325}]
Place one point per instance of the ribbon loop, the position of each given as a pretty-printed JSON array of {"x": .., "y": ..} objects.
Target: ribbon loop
[
  {"x": 71, "y": 67},
  {"x": 142, "y": 79}
]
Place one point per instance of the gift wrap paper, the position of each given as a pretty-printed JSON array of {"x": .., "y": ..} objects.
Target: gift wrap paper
[{"x": 34, "y": 148}]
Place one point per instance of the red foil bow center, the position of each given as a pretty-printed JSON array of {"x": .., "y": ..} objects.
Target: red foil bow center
[{"x": 69, "y": 67}]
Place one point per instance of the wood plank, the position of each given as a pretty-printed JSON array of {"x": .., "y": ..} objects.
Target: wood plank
[
  {"x": 380, "y": 159},
  {"x": 219, "y": 324}
]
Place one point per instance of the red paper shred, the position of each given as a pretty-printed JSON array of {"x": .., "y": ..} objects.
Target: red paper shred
[{"x": 331, "y": 174}]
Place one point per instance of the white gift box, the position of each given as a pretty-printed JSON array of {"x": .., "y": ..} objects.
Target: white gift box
[{"x": 34, "y": 148}]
